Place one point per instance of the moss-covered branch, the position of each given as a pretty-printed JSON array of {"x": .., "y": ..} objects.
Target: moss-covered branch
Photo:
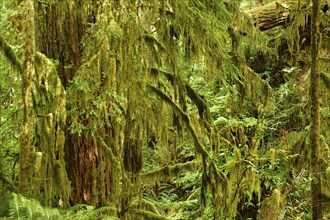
[
  {"x": 170, "y": 170},
  {"x": 201, "y": 104},
  {"x": 147, "y": 214},
  {"x": 7, "y": 182},
  {"x": 277, "y": 13},
  {"x": 10, "y": 55},
  {"x": 10, "y": 116},
  {"x": 326, "y": 79},
  {"x": 198, "y": 145}
]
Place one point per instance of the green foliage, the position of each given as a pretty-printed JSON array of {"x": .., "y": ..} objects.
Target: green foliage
[
  {"x": 10, "y": 101},
  {"x": 87, "y": 212},
  {"x": 178, "y": 125},
  {"x": 23, "y": 208}
]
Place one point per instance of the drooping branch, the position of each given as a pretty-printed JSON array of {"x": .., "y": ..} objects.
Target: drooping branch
[
  {"x": 169, "y": 171},
  {"x": 201, "y": 104},
  {"x": 10, "y": 55},
  {"x": 8, "y": 183},
  {"x": 198, "y": 145},
  {"x": 326, "y": 79},
  {"x": 185, "y": 117},
  {"x": 10, "y": 116},
  {"x": 203, "y": 108}
]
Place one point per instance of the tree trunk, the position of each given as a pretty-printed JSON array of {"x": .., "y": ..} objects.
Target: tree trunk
[
  {"x": 277, "y": 13},
  {"x": 315, "y": 114},
  {"x": 271, "y": 15},
  {"x": 28, "y": 72},
  {"x": 60, "y": 31}
]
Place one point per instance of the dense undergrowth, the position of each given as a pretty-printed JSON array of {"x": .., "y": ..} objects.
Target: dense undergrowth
[{"x": 231, "y": 142}]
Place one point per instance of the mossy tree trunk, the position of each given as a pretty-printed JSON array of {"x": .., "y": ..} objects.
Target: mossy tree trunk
[
  {"x": 270, "y": 15},
  {"x": 315, "y": 114},
  {"x": 61, "y": 27},
  {"x": 28, "y": 72},
  {"x": 278, "y": 13}
]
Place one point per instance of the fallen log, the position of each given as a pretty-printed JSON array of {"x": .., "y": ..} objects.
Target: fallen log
[{"x": 280, "y": 12}]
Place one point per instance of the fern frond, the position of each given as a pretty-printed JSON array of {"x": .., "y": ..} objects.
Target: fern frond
[
  {"x": 148, "y": 215},
  {"x": 14, "y": 207},
  {"x": 100, "y": 211},
  {"x": 106, "y": 217},
  {"x": 21, "y": 208},
  {"x": 78, "y": 212},
  {"x": 80, "y": 207}
]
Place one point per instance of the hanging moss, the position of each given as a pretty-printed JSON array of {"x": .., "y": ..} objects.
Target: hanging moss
[
  {"x": 107, "y": 154},
  {"x": 49, "y": 106},
  {"x": 133, "y": 155},
  {"x": 111, "y": 115},
  {"x": 168, "y": 172},
  {"x": 27, "y": 89}
]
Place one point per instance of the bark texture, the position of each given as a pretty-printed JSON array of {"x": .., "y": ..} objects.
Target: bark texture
[
  {"x": 28, "y": 72},
  {"x": 315, "y": 113},
  {"x": 279, "y": 13},
  {"x": 60, "y": 31}
]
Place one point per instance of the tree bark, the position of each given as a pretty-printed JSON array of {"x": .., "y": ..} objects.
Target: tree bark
[
  {"x": 315, "y": 113},
  {"x": 276, "y": 13},
  {"x": 271, "y": 15},
  {"x": 61, "y": 28},
  {"x": 28, "y": 72},
  {"x": 59, "y": 33}
]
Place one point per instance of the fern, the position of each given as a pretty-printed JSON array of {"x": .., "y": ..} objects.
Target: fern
[
  {"x": 23, "y": 208},
  {"x": 78, "y": 212},
  {"x": 87, "y": 212},
  {"x": 106, "y": 217},
  {"x": 79, "y": 207},
  {"x": 15, "y": 206},
  {"x": 148, "y": 215},
  {"x": 95, "y": 214}
]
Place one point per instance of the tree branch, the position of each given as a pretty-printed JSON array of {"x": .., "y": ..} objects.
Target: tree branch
[
  {"x": 10, "y": 55},
  {"x": 198, "y": 145},
  {"x": 171, "y": 170}
]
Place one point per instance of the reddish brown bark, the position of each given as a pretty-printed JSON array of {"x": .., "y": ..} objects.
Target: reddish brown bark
[
  {"x": 81, "y": 159},
  {"x": 60, "y": 29},
  {"x": 59, "y": 32}
]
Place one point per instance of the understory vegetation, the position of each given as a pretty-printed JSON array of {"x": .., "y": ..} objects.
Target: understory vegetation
[{"x": 164, "y": 109}]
